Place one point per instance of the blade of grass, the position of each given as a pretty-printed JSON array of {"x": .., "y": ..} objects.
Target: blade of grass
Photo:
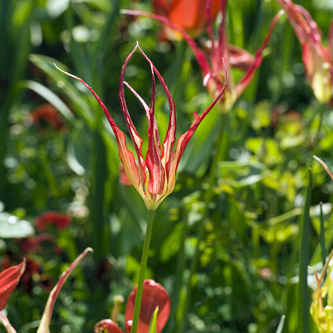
[
  {"x": 281, "y": 323},
  {"x": 303, "y": 297},
  {"x": 322, "y": 235}
]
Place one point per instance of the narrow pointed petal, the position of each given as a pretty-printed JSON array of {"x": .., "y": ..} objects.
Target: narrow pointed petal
[
  {"x": 170, "y": 136},
  {"x": 9, "y": 328},
  {"x": 135, "y": 174},
  {"x": 146, "y": 107},
  {"x": 245, "y": 81},
  {"x": 137, "y": 141},
  {"x": 45, "y": 321},
  {"x": 200, "y": 56},
  {"x": 107, "y": 325},
  {"x": 153, "y": 295},
  {"x": 153, "y": 158},
  {"x": 9, "y": 279},
  {"x": 324, "y": 165}
]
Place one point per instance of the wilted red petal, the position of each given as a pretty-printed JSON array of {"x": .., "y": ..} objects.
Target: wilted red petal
[
  {"x": 108, "y": 325},
  {"x": 9, "y": 279},
  {"x": 45, "y": 321},
  {"x": 239, "y": 58},
  {"x": 245, "y": 81},
  {"x": 153, "y": 295}
]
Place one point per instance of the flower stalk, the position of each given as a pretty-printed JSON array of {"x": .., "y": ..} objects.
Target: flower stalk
[{"x": 143, "y": 265}]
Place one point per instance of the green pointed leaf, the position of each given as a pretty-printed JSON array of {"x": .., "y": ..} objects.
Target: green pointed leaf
[
  {"x": 152, "y": 327},
  {"x": 303, "y": 301},
  {"x": 281, "y": 323},
  {"x": 50, "y": 96}
]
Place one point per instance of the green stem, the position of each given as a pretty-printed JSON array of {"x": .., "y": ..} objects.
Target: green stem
[
  {"x": 322, "y": 235},
  {"x": 144, "y": 259},
  {"x": 180, "y": 269},
  {"x": 322, "y": 108},
  {"x": 201, "y": 231}
]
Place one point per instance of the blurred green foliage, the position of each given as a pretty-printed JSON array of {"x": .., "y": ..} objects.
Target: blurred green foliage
[{"x": 248, "y": 259}]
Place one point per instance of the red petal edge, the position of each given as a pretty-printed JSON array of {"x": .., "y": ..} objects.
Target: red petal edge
[
  {"x": 108, "y": 325},
  {"x": 153, "y": 295},
  {"x": 9, "y": 279},
  {"x": 45, "y": 321}
]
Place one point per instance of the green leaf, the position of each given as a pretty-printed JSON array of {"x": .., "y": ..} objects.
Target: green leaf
[
  {"x": 303, "y": 300},
  {"x": 12, "y": 226},
  {"x": 322, "y": 235},
  {"x": 281, "y": 323},
  {"x": 153, "y": 322},
  {"x": 50, "y": 96},
  {"x": 21, "y": 12},
  {"x": 79, "y": 149}
]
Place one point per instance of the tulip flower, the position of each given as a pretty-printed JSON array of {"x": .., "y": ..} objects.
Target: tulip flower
[
  {"x": 154, "y": 177},
  {"x": 187, "y": 14},
  {"x": 11, "y": 280},
  {"x": 210, "y": 57},
  {"x": 153, "y": 296},
  {"x": 317, "y": 59}
]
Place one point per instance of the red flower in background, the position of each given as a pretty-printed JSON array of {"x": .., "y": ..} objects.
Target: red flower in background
[
  {"x": 33, "y": 243},
  {"x": 187, "y": 14},
  {"x": 218, "y": 55},
  {"x": 317, "y": 59},
  {"x": 9, "y": 279},
  {"x": 59, "y": 220},
  {"x": 47, "y": 114},
  {"x": 154, "y": 295}
]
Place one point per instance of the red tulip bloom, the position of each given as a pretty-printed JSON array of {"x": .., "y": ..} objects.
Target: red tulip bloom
[
  {"x": 187, "y": 14},
  {"x": 317, "y": 59},
  {"x": 154, "y": 295},
  {"x": 212, "y": 58},
  {"x": 154, "y": 177},
  {"x": 9, "y": 279},
  {"x": 59, "y": 220}
]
